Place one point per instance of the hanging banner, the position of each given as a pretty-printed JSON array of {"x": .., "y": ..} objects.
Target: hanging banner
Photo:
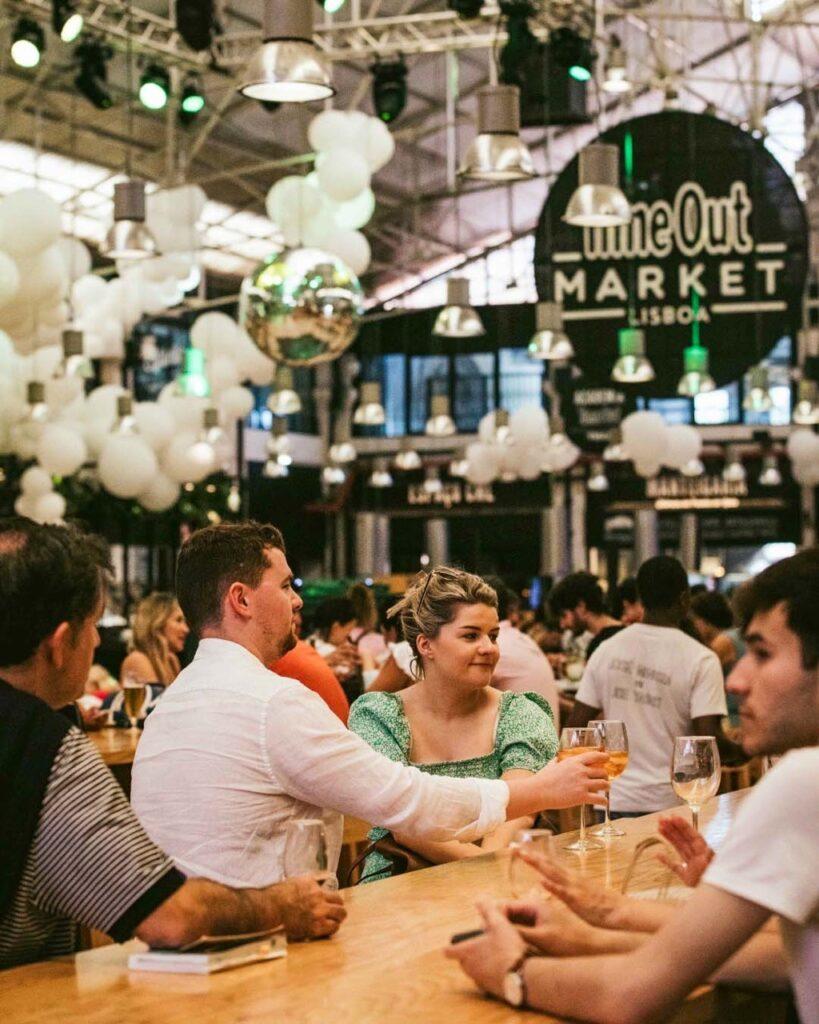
[{"x": 716, "y": 251}]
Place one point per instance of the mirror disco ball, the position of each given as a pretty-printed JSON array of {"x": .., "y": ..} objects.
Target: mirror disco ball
[{"x": 301, "y": 307}]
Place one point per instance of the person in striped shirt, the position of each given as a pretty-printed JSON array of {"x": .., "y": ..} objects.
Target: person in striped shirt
[{"x": 72, "y": 852}]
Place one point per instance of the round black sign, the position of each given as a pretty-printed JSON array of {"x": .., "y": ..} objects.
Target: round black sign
[{"x": 716, "y": 251}]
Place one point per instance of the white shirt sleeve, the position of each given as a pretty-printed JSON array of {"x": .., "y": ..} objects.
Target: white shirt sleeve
[
  {"x": 320, "y": 762},
  {"x": 771, "y": 853},
  {"x": 708, "y": 693}
]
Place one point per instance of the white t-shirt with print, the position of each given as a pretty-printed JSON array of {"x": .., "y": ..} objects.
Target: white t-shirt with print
[
  {"x": 656, "y": 679},
  {"x": 771, "y": 857}
]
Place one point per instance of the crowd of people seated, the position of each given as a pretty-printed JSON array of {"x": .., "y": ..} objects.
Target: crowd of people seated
[{"x": 453, "y": 712}]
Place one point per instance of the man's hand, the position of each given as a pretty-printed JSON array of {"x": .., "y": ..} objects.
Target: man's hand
[
  {"x": 307, "y": 910},
  {"x": 594, "y": 904},
  {"x": 581, "y": 779},
  {"x": 551, "y": 928},
  {"x": 695, "y": 853},
  {"x": 489, "y": 958}
]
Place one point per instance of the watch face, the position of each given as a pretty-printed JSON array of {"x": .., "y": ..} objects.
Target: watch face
[{"x": 513, "y": 989}]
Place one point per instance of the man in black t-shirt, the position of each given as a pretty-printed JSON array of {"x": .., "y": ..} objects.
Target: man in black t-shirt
[
  {"x": 72, "y": 852},
  {"x": 579, "y": 605}
]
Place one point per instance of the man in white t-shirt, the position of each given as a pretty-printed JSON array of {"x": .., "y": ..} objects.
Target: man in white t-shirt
[
  {"x": 657, "y": 680},
  {"x": 766, "y": 867}
]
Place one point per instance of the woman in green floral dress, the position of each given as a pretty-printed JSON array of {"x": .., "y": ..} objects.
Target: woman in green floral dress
[{"x": 451, "y": 721}]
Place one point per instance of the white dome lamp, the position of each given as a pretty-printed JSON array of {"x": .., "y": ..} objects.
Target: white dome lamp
[
  {"x": 550, "y": 341},
  {"x": 598, "y": 482},
  {"x": 287, "y": 67},
  {"x": 616, "y": 78},
  {"x": 370, "y": 411},
  {"x": 440, "y": 422},
  {"x": 407, "y": 458},
  {"x": 284, "y": 399},
  {"x": 633, "y": 367},
  {"x": 806, "y": 406},
  {"x": 614, "y": 450},
  {"x": 758, "y": 397},
  {"x": 733, "y": 472},
  {"x": 770, "y": 475},
  {"x": 696, "y": 378},
  {"x": 458, "y": 319},
  {"x": 380, "y": 476},
  {"x": 128, "y": 237},
  {"x": 598, "y": 201},
  {"x": 497, "y": 152}
]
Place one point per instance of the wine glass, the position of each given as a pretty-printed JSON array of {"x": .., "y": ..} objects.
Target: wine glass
[
  {"x": 695, "y": 771},
  {"x": 134, "y": 695},
  {"x": 522, "y": 878},
  {"x": 573, "y": 741},
  {"x": 614, "y": 740},
  {"x": 305, "y": 851}
]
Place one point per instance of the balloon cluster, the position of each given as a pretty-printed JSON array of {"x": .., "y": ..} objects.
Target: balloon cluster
[
  {"x": 522, "y": 449},
  {"x": 651, "y": 443},
  {"x": 326, "y": 209},
  {"x": 803, "y": 449}
]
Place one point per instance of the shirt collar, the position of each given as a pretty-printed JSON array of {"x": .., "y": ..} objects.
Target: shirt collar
[{"x": 215, "y": 647}]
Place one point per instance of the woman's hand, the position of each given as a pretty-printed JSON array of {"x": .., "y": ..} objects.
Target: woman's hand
[
  {"x": 551, "y": 928},
  {"x": 489, "y": 958},
  {"x": 694, "y": 852},
  {"x": 581, "y": 779},
  {"x": 594, "y": 904}
]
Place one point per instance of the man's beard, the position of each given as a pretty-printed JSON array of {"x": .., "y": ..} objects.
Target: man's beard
[{"x": 289, "y": 643}]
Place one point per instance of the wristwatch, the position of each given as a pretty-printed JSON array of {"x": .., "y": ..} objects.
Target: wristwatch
[{"x": 514, "y": 985}]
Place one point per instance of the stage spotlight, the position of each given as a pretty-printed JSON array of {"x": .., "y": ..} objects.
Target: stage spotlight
[
  {"x": 574, "y": 52},
  {"x": 465, "y": 8},
  {"x": 389, "y": 89},
  {"x": 331, "y": 6},
  {"x": 27, "y": 44},
  {"x": 154, "y": 87},
  {"x": 66, "y": 19},
  {"x": 192, "y": 102},
  {"x": 196, "y": 23},
  {"x": 91, "y": 79}
]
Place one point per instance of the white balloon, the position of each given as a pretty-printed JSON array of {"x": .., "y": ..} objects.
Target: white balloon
[
  {"x": 126, "y": 465},
  {"x": 95, "y": 433},
  {"x": 646, "y": 467},
  {"x": 529, "y": 461},
  {"x": 683, "y": 445},
  {"x": 319, "y": 228},
  {"x": 803, "y": 445},
  {"x": 328, "y": 129},
  {"x": 187, "y": 460},
  {"x": 343, "y": 173},
  {"x": 63, "y": 392},
  {"x": 43, "y": 363},
  {"x": 162, "y": 494},
  {"x": 155, "y": 424},
  {"x": 29, "y": 222},
  {"x": 380, "y": 145},
  {"x": 9, "y": 279},
  {"x": 183, "y": 205},
  {"x": 101, "y": 404},
  {"x": 86, "y": 292},
  {"x": 172, "y": 236},
  {"x": 358, "y": 127},
  {"x": 560, "y": 454},
  {"x": 253, "y": 364},
  {"x": 352, "y": 248},
  {"x": 43, "y": 278},
  {"x": 215, "y": 333},
  {"x": 483, "y": 463},
  {"x": 187, "y": 410},
  {"x": 645, "y": 436},
  {"x": 235, "y": 403},
  {"x": 529, "y": 425},
  {"x": 35, "y": 482},
  {"x": 75, "y": 256},
  {"x": 25, "y": 506},
  {"x": 55, "y": 316},
  {"x": 49, "y": 508},
  {"x": 223, "y": 373},
  {"x": 355, "y": 213},
  {"x": 806, "y": 474},
  {"x": 291, "y": 203},
  {"x": 61, "y": 450}
]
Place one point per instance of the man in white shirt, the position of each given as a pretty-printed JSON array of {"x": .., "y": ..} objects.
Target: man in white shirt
[
  {"x": 234, "y": 752},
  {"x": 766, "y": 866},
  {"x": 657, "y": 680}
]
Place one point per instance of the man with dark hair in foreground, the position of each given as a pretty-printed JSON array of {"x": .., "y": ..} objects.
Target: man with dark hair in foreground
[
  {"x": 72, "y": 852},
  {"x": 767, "y": 865}
]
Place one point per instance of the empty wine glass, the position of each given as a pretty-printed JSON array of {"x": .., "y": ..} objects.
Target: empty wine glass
[
  {"x": 522, "y": 878},
  {"x": 574, "y": 741},
  {"x": 695, "y": 771},
  {"x": 614, "y": 740},
  {"x": 305, "y": 851}
]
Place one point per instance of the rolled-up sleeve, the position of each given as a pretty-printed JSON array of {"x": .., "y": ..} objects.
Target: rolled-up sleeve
[{"x": 318, "y": 761}]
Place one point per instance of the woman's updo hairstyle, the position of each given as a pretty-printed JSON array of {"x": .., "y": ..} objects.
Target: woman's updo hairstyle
[{"x": 431, "y": 600}]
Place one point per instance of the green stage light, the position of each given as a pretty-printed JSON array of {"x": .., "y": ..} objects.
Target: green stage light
[
  {"x": 154, "y": 87},
  {"x": 28, "y": 43},
  {"x": 193, "y": 98}
]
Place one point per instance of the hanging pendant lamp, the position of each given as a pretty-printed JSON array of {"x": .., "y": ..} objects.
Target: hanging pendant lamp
[
  {"x": 458, "y": 319},
  {"x": 550, "y": 341},
  {"x": 287, "y": 67},
  {"x": 598, "y": 201},
  {"x": 806, "y": 406},
  {"x": 497, "y": 152},
  {"x": 370, "y": 411},
  {"x": 633, "y": 367},
  {"x": 696, "y": 379},
  {"x": 128, "y": 237},
  {"x": 440, "y": 422}
]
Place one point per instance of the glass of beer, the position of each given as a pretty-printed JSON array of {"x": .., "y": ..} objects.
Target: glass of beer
[
  {"x": 522, "y": 878},
  {"x": 133, "y": 700},
  {"x": 614, "y": 740},
  {"x": 574, "y": 741},
  {"x": 695, "y": 771}
]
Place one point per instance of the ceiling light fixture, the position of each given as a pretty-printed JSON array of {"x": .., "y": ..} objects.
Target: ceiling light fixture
[
  {"x": 598, "y": 201},
  {"x": 192, "y": 101},
  {"x": 343, "y": 452},
  {"x": 196, "y": 23},
  {"x": 284, "y": 399},
  {"x": 465, "y": 8},
  {"x": 733, "y": 471},
  {"x": 598, "y": 482},
  {"x": 770, "y": 475},
  {"x": 154, "y": 87},
  {"x": 370, "y": 411},
  {"x": 27, "y": 43},
  {"x": 758, "y": 396},
  {"x": 696, "y": 378},
  {"x": 66, "y": 19},
  {"x": 407, "y": 458},
  {"x": 380, "y": 476},
  {"x": 574, "y": 52},
  {"x": 497, "y": 152},
  {"x": 287, "y": 67},
  {"x": 128, "y": 237},
  {"x": 440, "y": 422},
  {"x": 806, "y": 406},
  {"x": 616, "y": 78},
  {"x": 614, "y": 450},
  {"x": 633, "y": 367},
  {"x": 458, "y": 319},
  {"x": 550, "y": 341},
  {"x": 389, "y": 89},
  {"x": 91, "y": 80}
]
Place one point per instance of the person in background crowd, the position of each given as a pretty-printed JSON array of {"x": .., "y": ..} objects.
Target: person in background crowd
[
  {"x": 73, "y": 853},
  {"x": 159, "y": 635},
  {"x": 249, "y": 751},
  {"x": 522, "y": 667},
  {"x": 629, "y": 600},
  {"x": 658, "y": 681},
  {"x": 452, "y": 722},
  {"x": 367, "y": 635},
  {"x": 657, "y": 953},
  {"x": 713, "y": 619},
  {"x": 336, "y": 626},
  {"x": 305, "y": 664},
  {"x": 579, "y": 604}
]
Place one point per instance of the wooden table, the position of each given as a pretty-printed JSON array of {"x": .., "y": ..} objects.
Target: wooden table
[
  {"x": 385, "y": 966},
  {"x": 116, "y": 746}
]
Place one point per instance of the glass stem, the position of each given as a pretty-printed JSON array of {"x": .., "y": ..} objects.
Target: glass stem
[
  {"x": 582, "y": 826},
  {"x": 695, "y": 817},
  {"x": 607, "y": 823}
]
